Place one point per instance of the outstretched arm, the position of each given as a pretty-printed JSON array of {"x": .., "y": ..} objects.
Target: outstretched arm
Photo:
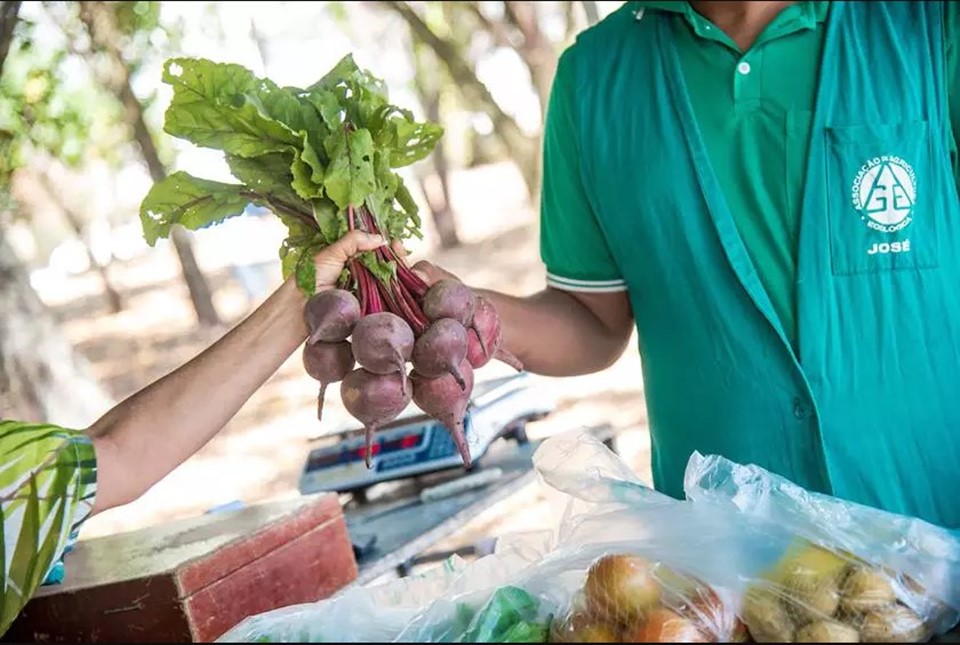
[
  {"x": 52, "y": 479},
  {"x": 149, "y": 434}
]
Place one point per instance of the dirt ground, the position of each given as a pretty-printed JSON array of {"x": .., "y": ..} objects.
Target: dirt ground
[{"x": 260, "y": 454}]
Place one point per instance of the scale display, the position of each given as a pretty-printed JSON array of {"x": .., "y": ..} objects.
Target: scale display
[{"x": 417, "y": 444}]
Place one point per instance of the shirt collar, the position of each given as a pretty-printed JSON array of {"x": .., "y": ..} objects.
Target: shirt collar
[{"x": 811, "y": 12}]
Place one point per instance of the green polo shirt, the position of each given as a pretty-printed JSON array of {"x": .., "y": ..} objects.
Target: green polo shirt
[{"x": 754, "y": 112}]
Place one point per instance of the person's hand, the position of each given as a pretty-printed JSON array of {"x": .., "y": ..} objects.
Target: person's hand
[
  {"x": 332, "y": 259},
  {"x": 428, "y": 272}
]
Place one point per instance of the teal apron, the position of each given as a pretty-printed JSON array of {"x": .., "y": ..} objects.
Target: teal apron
[{"x": 868, "y": 406}]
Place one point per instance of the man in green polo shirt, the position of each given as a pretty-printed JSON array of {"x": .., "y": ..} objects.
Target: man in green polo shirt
[{"x": 767, "y": 191}]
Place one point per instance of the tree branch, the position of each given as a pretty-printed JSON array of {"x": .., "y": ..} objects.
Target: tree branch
[
  {"x": 9, "y": 15},
  {"x": 516, "y": 141},
  {"x": 496, "y": 29},
  {"x": 461, "y": 72},
  {"x": 590, "y": 8},
  {"x": 100, "y": 22}
]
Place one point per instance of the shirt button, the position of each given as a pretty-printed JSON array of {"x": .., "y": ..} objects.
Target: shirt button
[
  {"x": 801, "y": 409},
  {"x": 743, "y": 67}
]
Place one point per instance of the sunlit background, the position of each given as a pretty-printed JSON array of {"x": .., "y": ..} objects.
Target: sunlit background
[{"x": 81, "y": 107}]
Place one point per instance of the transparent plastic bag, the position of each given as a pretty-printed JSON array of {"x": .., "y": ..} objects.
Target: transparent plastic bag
[
  {"x": 570, "y": 581},
  {"x": 745, "y": 551},
  {"x": 632, "y": 564},
  {"x": 381, "y": 612},
  {"x": 628, "y": 563},
  {"x": 845, "y": 573}
]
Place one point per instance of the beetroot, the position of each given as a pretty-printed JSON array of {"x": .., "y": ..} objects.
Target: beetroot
[
  {"x": 331, "y": 315},
  {"x": 450, "y": 299},
  {"x": 374, "y": 399},
  {"x": 446, "y": 330},
  {"x": 383, "y": 343},
  {"x": 444, "y": 400},
  {"x": 440, "y": 350},
  {"x": 327, "y": 363},
  {"x": 485, "y": 340}
]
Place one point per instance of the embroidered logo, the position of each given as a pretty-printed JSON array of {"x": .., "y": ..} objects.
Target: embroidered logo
[{"x": 884, "y": 193}]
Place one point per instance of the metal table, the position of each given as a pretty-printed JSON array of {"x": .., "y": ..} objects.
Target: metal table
[{"x": 392, "y": 531}]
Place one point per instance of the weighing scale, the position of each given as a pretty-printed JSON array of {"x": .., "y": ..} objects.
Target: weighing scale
[{"x": 416, "y": 444}]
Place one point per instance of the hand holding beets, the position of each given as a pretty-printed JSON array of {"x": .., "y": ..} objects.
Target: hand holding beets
[
  {"x": 345, "y": 207},
  {"x": 445, "y": 331}
]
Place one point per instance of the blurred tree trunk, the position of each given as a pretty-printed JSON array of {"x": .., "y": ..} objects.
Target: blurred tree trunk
[
  {"x": 569, "y": 20},
  {"x": 98, "y": 18},
  {"x": 114, "y": 301},
  {"x": 429, "y": 90},
  {"x": 590, "y": 8},
  {"x": 522, "y": 147},
  {"x": 9, "y": 14},
  {"x": 42, "y": 378},
  {"x": 536, "y": 49},
  {"x": 261, "y": 44}
]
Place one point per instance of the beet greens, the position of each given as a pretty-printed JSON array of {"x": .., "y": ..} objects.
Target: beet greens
[{"x": 323, "y": 159}]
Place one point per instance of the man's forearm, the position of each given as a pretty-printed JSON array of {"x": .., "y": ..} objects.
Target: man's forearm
[
  {"x": 148, "y": 435},
  {"x": 555, "y": 335}
]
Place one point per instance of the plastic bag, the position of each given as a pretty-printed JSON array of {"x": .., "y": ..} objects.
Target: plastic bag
[
  {"x": 633, "y": 561},
  {"x": 845, "y": 573},
  {"x": 381, "y": 612},
  {"x": 572, "y": 583},
  {"x": 628, "y": 565},
  {"x": 746, "y": 552}
]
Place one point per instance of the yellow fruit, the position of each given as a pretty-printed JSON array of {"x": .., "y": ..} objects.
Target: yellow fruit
[
  {"x": 620, "y": 588},
  {"x": 893, "y": 624},
  {"x": 809, "y": 566},
  {"x": 578, "y": 626},
  {"x": 827, "y": 631},
  {"x": 665, "y": 626},
  {"x": 766, "y": 618},
  {"x": 809, "y": 580},
  {"x": 865, "y": 589}
]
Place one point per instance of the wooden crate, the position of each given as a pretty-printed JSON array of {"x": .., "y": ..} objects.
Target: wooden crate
[{"x": 192, "y": 580}]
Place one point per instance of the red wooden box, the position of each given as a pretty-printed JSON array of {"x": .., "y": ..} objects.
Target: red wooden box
[{"x": 192, "y": 580}]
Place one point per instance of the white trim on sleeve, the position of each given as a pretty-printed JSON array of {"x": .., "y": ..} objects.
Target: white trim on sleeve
[{"x": 593, "y": 286}]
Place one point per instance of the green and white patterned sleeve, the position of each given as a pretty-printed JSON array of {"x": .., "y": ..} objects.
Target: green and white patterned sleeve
[{"x": 47, "y": 486}]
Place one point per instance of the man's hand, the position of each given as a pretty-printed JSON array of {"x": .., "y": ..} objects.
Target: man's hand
[
  {"x": 594, "y": 328},
  {"x": 431, "y": 273}
]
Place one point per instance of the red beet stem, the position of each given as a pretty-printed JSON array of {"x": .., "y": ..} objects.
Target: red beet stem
[
  {"x": 404, "y": 292},
  {"x": 410, "y": 280}
]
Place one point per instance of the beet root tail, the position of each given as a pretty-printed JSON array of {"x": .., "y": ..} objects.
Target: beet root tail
[
  {"x": 368, "y": 451},
  {"x": 320, "y": 397},
  {"x": 402, "y": 371},
  {"x": 504, "y": 356},
  {"x": 460, "y": 440}
]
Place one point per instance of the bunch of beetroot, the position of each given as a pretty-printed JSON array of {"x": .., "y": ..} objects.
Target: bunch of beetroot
[
  {"x": 323, "y": 158},
  {"x": 446, "y": 331}
]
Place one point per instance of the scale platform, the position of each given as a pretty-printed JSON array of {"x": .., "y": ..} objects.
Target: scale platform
[{"x": 415, "y": 444}]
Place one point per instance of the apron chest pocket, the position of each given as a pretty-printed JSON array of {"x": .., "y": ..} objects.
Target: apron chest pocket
[{"x": 880, "y": 205}]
